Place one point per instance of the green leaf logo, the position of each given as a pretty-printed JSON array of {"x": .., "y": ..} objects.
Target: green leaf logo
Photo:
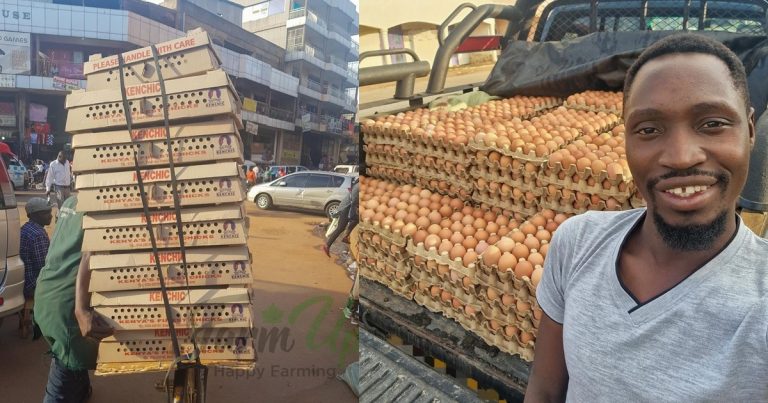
[{"x": 272, "y": 315}]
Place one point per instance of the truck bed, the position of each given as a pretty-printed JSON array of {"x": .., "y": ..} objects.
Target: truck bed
[{"x": 386, "y": 314}]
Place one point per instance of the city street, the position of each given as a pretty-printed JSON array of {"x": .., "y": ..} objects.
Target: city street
[{"x": 302, "y": 339}]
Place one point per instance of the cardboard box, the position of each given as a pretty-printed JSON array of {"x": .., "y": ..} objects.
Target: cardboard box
[
  {"x": 196, "y": 184},
  {"x": 206, "y": 226},
  {"x": 194, "y": 142},
  {"x": 210, "y": 94},
  {"x": 138, "y": 310},
  {"x": 207, "y": 266},
  {"x": 187, "y": 56},
  {"x": 155, "y": 345}
]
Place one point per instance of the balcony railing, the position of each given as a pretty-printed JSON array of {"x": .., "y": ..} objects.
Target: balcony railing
[
  {"x": 338, "y": 62},
  {"x": 313, "y": 17},
  {"x": 313, "y": 85},
  {"x": 297, "y": 13},
  {"x": 275, "y": 113}
]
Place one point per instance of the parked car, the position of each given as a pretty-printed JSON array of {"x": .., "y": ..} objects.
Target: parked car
[
  {"x": 271, "y": 173},
  {"x": 11, "y": 266},
  {"x": 20, "y": 176},
  {"x": 311, "y": 190},
  {"x": 347, "y": 169}
]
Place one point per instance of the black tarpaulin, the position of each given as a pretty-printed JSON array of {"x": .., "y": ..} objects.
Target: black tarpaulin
[{"x": 599, "y": 61}]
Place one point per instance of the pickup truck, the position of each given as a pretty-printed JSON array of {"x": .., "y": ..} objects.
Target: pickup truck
[{"x": 560, "y": 26}]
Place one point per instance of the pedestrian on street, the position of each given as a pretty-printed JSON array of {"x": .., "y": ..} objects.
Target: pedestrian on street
[
  {"x": 256, "y": 172},
  {"x": 250, "y": 177},
  {"x": 59, "y": 179},
  {"x": 667, "y": 302},
  {"x": 33, "y": 248},
  {"x": 348, "y": 217},
  {"x": 281, "y": 173},
  {"x": 63, "y": 311}
]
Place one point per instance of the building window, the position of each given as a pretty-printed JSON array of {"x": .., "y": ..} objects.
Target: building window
[{"x": 296, "y": 38}]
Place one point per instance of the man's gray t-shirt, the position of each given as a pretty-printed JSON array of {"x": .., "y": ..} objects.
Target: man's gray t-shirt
[{"x": 706, "y": 339}]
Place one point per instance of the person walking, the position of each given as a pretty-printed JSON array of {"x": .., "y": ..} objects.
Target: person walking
[
  {"x": 59, "y": 179},
  {"x": 33, "y": 249},
  {"x": 256, "y": 172},
  {"x": 63, "y": 310},
  {"x": 250, "y": 177},
  {"x": 348, "y": 217}
]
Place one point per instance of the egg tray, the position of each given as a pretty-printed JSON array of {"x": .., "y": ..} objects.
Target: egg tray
[
  {"x": 454, "y": 190},
  {"x": 506, "y": 204},
  {"x": 427, "y": 302},
  {"x": 387, "y": 149},
  {"x": 509, "y": 314},
  {"x": 385, "y": 162},
  {"x": 507, "y": 150},
  {"x": 394, "y": 237},
  {"x": 383, "y": 252},
  {"x": 551, "y": 175},
  {"x": 580, "y": 107},
  {"x": 636, "y": 201},
  {"x": 448, "y": 151},
  {"x": 466, "y": 296},
  {"x": 441, "y": 258},
  {"x": 398, "y": 264},
  {"x": 438, "y": 163},
  {"x": 503, "y": 281},
  {"x": 391, "y": 174},
  {"x": 515, "y": 170},
  {"x": 403, "y": 290},
  {"x": 510, "y": 345},
  {"x": 388, "y": 272},
  {"x": 573, "y": 207},
  {"x": 485, "y": 192},
  {"x": 381, "y": 139},
  {"x": 460, "y": 178}
]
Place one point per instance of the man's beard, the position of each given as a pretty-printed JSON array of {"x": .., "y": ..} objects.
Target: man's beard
[{"x": 691, "y": 237}]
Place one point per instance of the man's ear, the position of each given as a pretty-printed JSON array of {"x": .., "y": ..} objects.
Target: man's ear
[{"x": 751, "y": 121}]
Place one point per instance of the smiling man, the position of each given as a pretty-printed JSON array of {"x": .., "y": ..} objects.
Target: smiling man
[{"x": 668, "y": 303}]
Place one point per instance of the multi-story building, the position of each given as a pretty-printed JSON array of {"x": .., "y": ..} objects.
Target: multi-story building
[
  {"x": 44, "y": 43},
  {"x": 317, "y": 36}
]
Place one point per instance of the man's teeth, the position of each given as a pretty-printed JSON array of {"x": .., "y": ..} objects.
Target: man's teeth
[{"x": 687, "y": 191}]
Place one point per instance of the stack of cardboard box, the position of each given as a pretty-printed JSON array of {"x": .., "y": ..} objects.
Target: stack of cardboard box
[{"x": 212, "y": 295}]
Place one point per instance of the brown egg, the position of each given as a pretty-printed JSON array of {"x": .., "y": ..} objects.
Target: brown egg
[
  {"x": 517, "y": 235},
  {"x": 507, "y": 300},
  {"x": 511, "y": 331},
  {"x": 468, "y": 231},
  {"x": 469, "y": 242},
  {"x": 492, "y": 227},
  {"x": 537, "y": 313},
  {"x": 444, "y": 233},
  {"x": 528, "y": 228},
  {"x": 520, "y": 251},
  {"x": 467, "y": 220},
  {"x": 502, "y": 220},
  {"x": 543, "y": 235},
  {"x": 531, "y": 242},
  {"x": 481, "y": 247},
  {"x": 420, "y": 236},
  {"x": 458, "y": 251},
  {"x": 434, "y": 228},
  {"x": 445, "y": 246},
  {"x": 550, "y": 227},
  {"x": 544, "y": 248},
  {"x": 446, "y": 296},
  {"x": 522, "y": 307},
  {"x": 479, "y": 223},
  {"x": 507, "y": 262},
  {"x": 481, "y": 235},
  {"x": 538, "y": 220},
  {"x": 422, "y": 222},
  {"x": 434, "y": 217},
  {"x": 523, "y": 269},
  {"x": 560, "y": 218},
  {"x": 536, "y": 275},
  {"x": 536, "y": 259},
  {"x": 491, "y": 255},
  {"x": 431, "y": 241},
  {"x": 470, "y": 257},
  {"x": 456, "y": 226},
  {"x": 526, "y": 337},
  {"x": 456, "y": 238},
  {"x": 435, "y": 291},
  {"x": 505, "y": 244}
]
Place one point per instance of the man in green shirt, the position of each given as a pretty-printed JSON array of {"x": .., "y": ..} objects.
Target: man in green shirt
[{"x": 63, "y": 312}]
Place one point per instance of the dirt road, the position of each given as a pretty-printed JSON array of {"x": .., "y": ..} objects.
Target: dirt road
[{"x": 302, "y": 339}]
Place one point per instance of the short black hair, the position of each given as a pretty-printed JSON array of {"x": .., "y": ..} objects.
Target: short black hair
[{"x": 692, "y": 43}]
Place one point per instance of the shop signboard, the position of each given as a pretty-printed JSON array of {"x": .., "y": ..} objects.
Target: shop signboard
[
  {"x": 14, "y": 53},
  {"x": 249, "y": 104},
  {"x": 66, "y": 84},
  {"x": 7, "y": 114},
  {"x": 7, "y": 81},
  {"x": 251, "y": 127},
  {"x": 38, "y": 113}
]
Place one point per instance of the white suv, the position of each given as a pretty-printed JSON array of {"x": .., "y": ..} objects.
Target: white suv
[{"x": 11, "y": 266}]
